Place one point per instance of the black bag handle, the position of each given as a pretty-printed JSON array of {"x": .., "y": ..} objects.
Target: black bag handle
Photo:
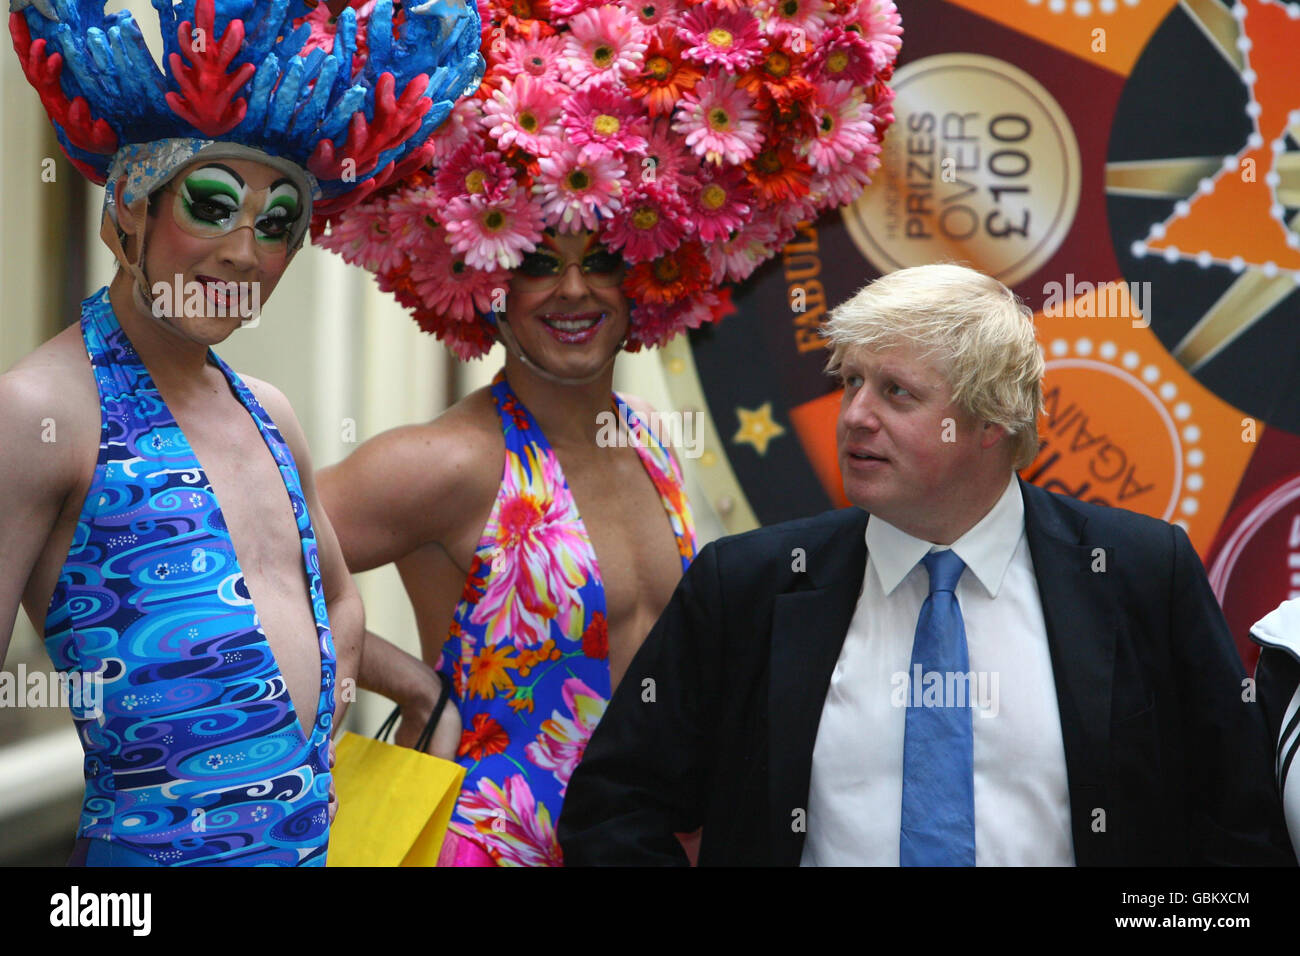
[{"x": 427, "y": 734}]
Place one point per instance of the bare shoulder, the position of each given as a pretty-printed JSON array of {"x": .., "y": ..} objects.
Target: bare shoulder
[
  {"x": 457, "y": 453},
  {"x": 49, "y": 403},
  {"x": 428, "y": 476}
]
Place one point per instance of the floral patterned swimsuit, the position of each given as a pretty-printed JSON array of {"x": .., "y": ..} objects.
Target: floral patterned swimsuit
[
  {"x": 528, "y": 649},
  {"x": 194, "y": 753}
]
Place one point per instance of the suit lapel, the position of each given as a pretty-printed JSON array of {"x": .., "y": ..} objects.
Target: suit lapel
[
  {"x": 809, "y": 624},
  {"x": 1077, "y": 609}
]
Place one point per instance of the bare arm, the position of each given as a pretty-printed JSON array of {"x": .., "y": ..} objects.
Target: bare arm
[
  {"x": 37, "y": 472},
  {"x": 388, "y": 670},
  {"x": 387, "y": 498},
  {"x": 407, "y": 491}
]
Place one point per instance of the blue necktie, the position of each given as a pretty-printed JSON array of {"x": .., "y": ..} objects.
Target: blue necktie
[{"x": 938, "y": 746}]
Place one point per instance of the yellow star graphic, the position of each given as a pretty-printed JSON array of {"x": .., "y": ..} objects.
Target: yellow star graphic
[{"x": 757, "y": 427}]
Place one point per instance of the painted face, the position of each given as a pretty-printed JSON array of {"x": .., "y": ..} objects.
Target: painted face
[
  {"x": 906, "y": 450},
  {"x": 207, "y": 272},
  {"x": 566, "y": 304},
  {"x": 542, "y": 270},
  {"x": 214, "y": 200}
]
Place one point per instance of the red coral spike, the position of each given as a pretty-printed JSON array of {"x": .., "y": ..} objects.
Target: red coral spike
[
  {"x": 389, "y": 175},
  {"x": 328, "y": 208},
  {"x": 394, "y": 123},
  {"x": 206, "y": 100},
  {"x": 92, "y": 135},
  {"x": 90, "y": 172}
]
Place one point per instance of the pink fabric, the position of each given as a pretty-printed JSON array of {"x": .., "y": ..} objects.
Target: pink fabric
[{"x": 458, "y": 851}]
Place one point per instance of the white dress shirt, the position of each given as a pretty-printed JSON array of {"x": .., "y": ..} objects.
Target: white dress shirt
[{"x": 1022, "y": 804}]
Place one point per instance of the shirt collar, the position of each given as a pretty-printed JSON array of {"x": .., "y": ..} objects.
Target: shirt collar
[{"x": 987, "y": 548}]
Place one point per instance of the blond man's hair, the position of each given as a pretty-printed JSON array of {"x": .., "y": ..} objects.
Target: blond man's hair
[{"x": 976, "y": 330}]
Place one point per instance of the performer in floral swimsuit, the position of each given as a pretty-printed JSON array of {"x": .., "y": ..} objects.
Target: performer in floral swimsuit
[
  {"x": 160, "y": 531},
  {"x": 528, "y": 648},
  {"x": 619, "y": 163}
]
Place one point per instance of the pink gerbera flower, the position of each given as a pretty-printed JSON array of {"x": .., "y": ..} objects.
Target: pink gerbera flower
[
  {"x": 730, "y": 39},
  {"x": 455, "y": 129},
  {"x": 653, "y": 13},
  {"x": 602, "y": 122},
  {"x": 473, "y": 171},
  {"x": 413, "y": 215},
  {"x": 493, "y": 233},
  {"x": 324, "y": 30},
  {"x": 535, "y": 56},
  {"x": 882, "y": 26},
  {"x": 666, "y": 149},
  {"x": 883, "y": 108},
  {"x": 844, "y": 126},
  {"x": 842, "y": 55},
  {"x": 845, "y": 184},
  {"x": 787, "y": 215},
  {"x": 654, "y": 325},
  {"x": 721, "y": 204},
  {"x": 577, "y": 194},
  {"x": 524, "y": 113},
  {"x": 719, "y": 121},
  {"x": 801, "y": 22},
  {"x": 448, "y": 286},
  {"x": 603, "y": 45},
  {"x": 734, "y": 259},
  {"x": 364, "y": 238},
  {"x": 562, "y": 10},
  {"x": 654, "y": 221}
]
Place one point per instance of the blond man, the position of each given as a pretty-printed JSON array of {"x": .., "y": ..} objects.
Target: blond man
[{"x": 962, "y": 669}]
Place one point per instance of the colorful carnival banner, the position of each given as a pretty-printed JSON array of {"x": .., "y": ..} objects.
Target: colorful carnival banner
[{"x": 1131, "y": 168}]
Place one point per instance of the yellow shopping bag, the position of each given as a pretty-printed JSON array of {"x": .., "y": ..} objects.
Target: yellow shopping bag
[{"x": 394, "y": 803}]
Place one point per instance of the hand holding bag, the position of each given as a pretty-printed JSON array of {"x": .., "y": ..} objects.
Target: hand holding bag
[{"x": 394, "y": 802}]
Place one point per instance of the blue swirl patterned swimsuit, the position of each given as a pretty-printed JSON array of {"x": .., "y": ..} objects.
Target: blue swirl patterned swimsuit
[{"x": 195, "y": 754}]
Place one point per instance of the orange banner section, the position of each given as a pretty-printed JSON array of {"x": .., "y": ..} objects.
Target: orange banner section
[
  {"x": 1126, "y": 425},
  {"x": 1238, "y": 212},
  {"x": 814, "y": 423},
  {"x": 1125, "y": 29}
]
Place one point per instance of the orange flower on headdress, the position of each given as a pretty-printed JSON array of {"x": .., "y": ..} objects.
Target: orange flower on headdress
[
  {"x": 671, "y": 277},
  {"x": 778, "y": 83},
  {"x": 778, "y": 175},
  {"x": 665, "y": 76}
]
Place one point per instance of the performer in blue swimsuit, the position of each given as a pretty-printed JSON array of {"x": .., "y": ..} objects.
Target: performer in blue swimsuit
[{"x": 209, "y": 743}]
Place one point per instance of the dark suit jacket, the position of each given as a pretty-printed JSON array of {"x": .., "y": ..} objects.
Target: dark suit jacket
[{"x": 715, "y": 721}]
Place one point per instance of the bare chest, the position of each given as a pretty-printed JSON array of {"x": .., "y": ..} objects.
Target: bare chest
[
  {"x": 260, "y": 520},
  {"x": 636, "y": 550}
]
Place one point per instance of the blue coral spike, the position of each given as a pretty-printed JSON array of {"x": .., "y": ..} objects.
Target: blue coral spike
[{"x": 290, "y": 102}]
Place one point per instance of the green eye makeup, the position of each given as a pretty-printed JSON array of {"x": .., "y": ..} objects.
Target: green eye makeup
[{"x": 213, "y": 201}]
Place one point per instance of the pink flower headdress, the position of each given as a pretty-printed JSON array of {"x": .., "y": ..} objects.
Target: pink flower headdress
[{"x": 692, "y": 134}]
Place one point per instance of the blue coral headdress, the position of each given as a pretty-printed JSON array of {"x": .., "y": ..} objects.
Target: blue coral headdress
[{"x": 346, "y": 93}]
